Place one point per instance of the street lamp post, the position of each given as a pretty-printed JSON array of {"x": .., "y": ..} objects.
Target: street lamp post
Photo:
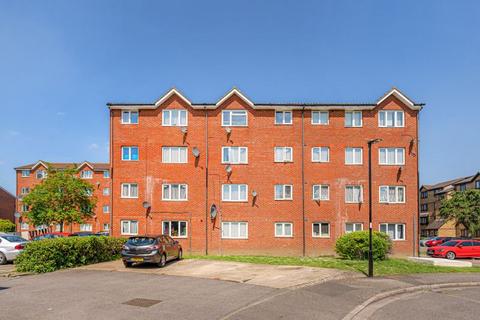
[{"x": 370, "y": 231}]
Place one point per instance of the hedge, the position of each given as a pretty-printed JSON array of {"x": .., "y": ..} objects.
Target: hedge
[
  {"x": 53, "y": 254},
  {"x": 7, "y": 226},
  {"x": 354, "y": 245}
]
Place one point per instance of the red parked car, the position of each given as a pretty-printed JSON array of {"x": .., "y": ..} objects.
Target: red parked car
[
  {"x": 456, "y": 249},
  {"x": 438, "y": 241},
  {"x": 51, "y": 235}
]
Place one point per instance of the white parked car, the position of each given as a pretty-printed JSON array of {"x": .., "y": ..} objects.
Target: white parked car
[{"x": 10, "y": 247}]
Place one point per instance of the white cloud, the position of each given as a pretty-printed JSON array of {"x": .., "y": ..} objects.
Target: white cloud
[{"x": 93, "y": 146}]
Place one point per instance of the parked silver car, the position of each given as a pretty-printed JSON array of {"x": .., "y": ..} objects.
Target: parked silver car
[{"x": 10, "y": 247}]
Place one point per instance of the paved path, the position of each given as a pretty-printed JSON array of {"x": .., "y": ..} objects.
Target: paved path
[
  {"x": 7, "y": 269},
  {"x": 257, "y": 274}
]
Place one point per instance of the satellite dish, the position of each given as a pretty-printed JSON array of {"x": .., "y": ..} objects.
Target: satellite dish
[
  {"x": 195, "y": 152},
  {"x": 254, "y": 193},
  {"x": 146, "y": 204},
  {"x": 213, "y": 211},
  {"x": 184, "y": 130},
  {"x": 228, "y": 130},
  {"x": 17, "y": 215},
  {"x": 228, "y": 168}
]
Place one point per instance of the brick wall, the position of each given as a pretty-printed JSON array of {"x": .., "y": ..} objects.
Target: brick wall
[{"x": 7, "y": 205}]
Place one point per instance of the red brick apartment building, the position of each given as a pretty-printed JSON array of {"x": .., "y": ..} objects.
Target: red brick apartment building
[
  {"x": 237, "y": 176},
  {"x": 7, "y": 205},
  {"x": 98, "y": 174}
]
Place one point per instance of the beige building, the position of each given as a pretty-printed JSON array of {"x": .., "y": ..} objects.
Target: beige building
[{"x": 431, "y": 197}]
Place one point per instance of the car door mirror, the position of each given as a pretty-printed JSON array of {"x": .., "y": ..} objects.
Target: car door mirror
[{"x": 460, "y": 246}]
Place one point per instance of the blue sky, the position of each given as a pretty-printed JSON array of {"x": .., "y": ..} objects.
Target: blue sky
[{"x": 61, "y": 61}]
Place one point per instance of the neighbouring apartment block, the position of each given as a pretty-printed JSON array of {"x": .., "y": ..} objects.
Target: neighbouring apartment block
[
  {"x": 7, "y": 205},
  {"x": 431, "y": 196},
  {"x": 241, "y": 177},
  {"x": 97, "y": 174}
]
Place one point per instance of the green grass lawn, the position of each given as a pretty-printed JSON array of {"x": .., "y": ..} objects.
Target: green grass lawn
[{"x": 387, "y": 267}]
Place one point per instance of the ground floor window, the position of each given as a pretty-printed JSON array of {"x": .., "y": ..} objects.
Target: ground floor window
[
  {"x": 353, "y": 226},
  {"x": 321, "y": 230},
  {"x": 396, "y": 231},
  {"x": 283, "y": 229},
  {"x": 86, "y": 227},
  {"x": 129, "y": 227},
  {"x": 175, "y": 229},
  {"x": 58, "y": 227},
  {"x": 106, "y": 227},
  {"x": 234, "y": 230},
  {"x": 24, "y": 226}
]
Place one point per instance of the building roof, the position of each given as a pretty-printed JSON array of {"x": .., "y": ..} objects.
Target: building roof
[
  {"x": 453, "y": 182},
  {"x": 269, "y": 105},
  {"x": 6, "y": 192},
  {"x": 96, "y": 166},
  {"x": 436, "y": 224}
]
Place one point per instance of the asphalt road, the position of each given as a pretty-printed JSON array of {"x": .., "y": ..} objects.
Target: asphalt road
[{"x": 91, "y": 294}]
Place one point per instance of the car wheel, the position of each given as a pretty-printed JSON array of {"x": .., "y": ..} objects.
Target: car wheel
[
  {"x": 3, "y": 259},
  {"x": 163, "y": 261},
  {"x": 127, "y": 264},
  {"x": 450, "y": 255},
  {"x": 180, "y": 254}
]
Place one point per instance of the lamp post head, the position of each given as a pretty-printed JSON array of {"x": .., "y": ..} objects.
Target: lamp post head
[{"x": 370, "y": 142}]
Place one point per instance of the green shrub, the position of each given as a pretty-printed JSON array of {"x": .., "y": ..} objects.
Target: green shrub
[
  {"x": 354, "y": 245},
  {"x": 7, "y": 226},
  {"x": 60, "y": 253}
]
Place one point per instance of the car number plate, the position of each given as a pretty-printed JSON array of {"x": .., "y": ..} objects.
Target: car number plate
[{"x": 137, "y": 259}]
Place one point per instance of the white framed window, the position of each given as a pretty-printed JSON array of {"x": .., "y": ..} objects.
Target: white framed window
[
  {"x": 106, "y": 174},
  {"x": 58, "y": 227},
  {"x": 321, "y": 230},
  {"x": 321, "y": 192},
  {"x": 25, "y": 190},
  {"x": 86, "y": 227},
  {"x": 86, "y": 174},
  {"x": 235, "y": 155},
  {"x": 174, "y": 118},
  {"x": 41, "y": 174},
  {"x": 234, "y": 118},
  {"x": 353, "y": 155},
  {"x": 24, "y": 208},
  {"x": 234, "y": 230},
  {"x": 424, "y": 207},
  {"x": 130, "y": 153},
  {"x": 106, "y": 191},
  {"x": 353, "y": 194},
  {"x": 106, "y": 227},
  {"x": 320, "y": 117},
  {"x": 283, "y": 117},
  {"x": 353, "y": 119},
  {"x": 129, "y": 227},
  {"x": 283, "y": 154},
  {"x": 353, "y": 226},
  {"x": 88, "y": 192},
  {"x": 174, "y": 155},
  {"x": 392, "y": 194},
  {"x": 391, "y": 119},
  {"x": 234, "y": 192},
  {"x": 175, "y": 229},
  {"x": 283, "y": 192},
  {"x": 25, "y": 173},
  {"x": 283, "y": 229},
  {"x": 129, "y": 190},
  {"x": 106, "y": 208},
  {"x": 391, "y": 156},
  {"x": 129, "y": 117},
  {"x": 320, "y": 154},
  {"x": 477, "y": 184},
  {"x": 174, "y": 192},
  {"x": 396, "y": 231},
  {"x": 24, "y": 226}
]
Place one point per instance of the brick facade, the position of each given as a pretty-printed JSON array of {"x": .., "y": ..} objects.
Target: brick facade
[{"x": 7, "y": 205}]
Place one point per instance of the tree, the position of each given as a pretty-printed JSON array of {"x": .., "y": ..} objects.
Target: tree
[
  {"x": 6, "y": 226},
  {"x": 464, "y": 208},
  {"x": 60, "y": 198}
]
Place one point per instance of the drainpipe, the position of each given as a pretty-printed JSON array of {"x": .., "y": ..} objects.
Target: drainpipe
[
  {"x": 206, "y": 182},
  {"x": 303, "y": 182}
]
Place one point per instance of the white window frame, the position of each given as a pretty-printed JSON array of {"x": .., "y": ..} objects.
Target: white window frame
[
  {"x": 84, "y": 175},
  {"x": 395, "y": 237},
  {"x": 319, "y": 118},
  {"x": 284, "y": 154},
  {"x": 168, "y": 197},
  {"x": 25, "y": 208},
  {"x": 25, "y": 190},
  {"x": 397, "y": 188},
  {"x": 283, "y": 225},
  {"x": 128, "y": 196},
  {"x": 43, "y": 174},
  {"x": 229, "y": 224},
  {"x": 129, "y": 223},
  {"x": 354, "y": 187},
  {"x": 86, "y": 227},
  {"x": 24, "y": 226},
  {"x": 106, "y": 191},
  {"x": 235, "y": 149},
  {"x": 228, "y": 123},
  {"x": 320, "y": 154},
  {"x": 130, "y": 153},
  {"x": 170, "y": 228},
  {"x": 229, "y": 186},
  {"x": 395, "y": 118},
  {"x": 167, "y": 154},
  {"x": 106, "y": 208},
  {"x": 354, "y": 226},
  {"x": 106, "y": 227},
  {"x": 354, "y": 124},
  {"x": 283, "y": 117},
  {"x": 354, "y": 157},
  {"x": 477, "y": 184},
  {"x": 320, "y": 187},
  {"x": 179, "y": 117},
  {"x": 320, "y": 230},
  {"x": 283, "y": 198},
  {"x": 396, "y": 152},
  {"x": 106, "y": 174},
  {"x": 25, "y": 173},
  {"x": 129, "y": 112}
]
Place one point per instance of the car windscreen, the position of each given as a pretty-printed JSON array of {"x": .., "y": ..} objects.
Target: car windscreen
[
  {"x": 449, "y": 244},
  {"x": 141, "y": 241},
  {"x": 13, "y": 238}
]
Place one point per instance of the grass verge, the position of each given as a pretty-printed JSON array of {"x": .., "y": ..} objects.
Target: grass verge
[{"x": 390, "y": 266}]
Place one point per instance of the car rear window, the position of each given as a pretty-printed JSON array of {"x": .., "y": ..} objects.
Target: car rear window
[
  {"x": 141, "y": 241},
  {"x": 449, "y": 244},
  {"x": 13, "y": 238}
]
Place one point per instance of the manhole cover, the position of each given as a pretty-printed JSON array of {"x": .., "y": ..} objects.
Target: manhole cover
[{"x": 144, "y": 303}]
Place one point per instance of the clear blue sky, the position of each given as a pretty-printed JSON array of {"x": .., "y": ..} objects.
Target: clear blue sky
[{"x": 61, "y": 61}]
